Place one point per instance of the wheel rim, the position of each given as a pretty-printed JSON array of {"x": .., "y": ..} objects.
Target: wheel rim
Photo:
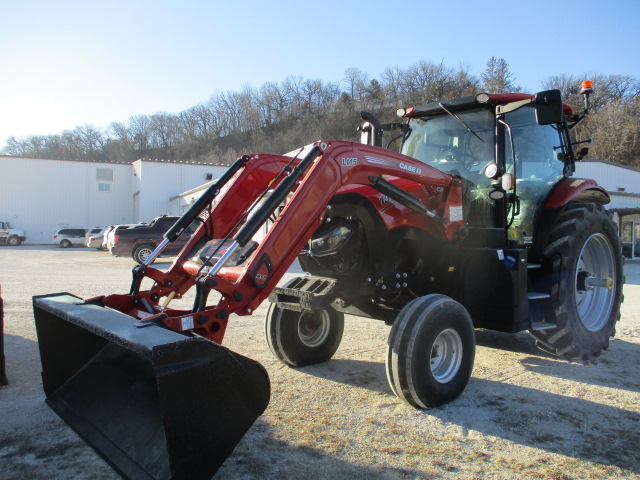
[
  {"x": 313, "y": 328},
  {"x": 446, "y": 355},
  {"x": 595, "y": 282},
  {"x": 144, "y": 253}
]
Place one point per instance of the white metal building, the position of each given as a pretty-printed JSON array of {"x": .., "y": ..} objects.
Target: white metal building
[
  {"x": 40, "y": 196},
  {"x": 623, "y": 184}
]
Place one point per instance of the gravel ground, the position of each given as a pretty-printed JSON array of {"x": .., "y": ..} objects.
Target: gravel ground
[{"x": 523, "y": 415}]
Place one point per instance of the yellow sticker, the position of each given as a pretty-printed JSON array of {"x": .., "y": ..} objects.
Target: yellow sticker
[
  {"x": 452, "y": 269},
  {"x": 575, "y": 183}
]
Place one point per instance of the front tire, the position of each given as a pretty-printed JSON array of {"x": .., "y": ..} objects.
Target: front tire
[
  {"x": 585, "y": 265},
  {"x": 14, "y": 241},
  {"x": 142, "y": 252},
  {"x": 431, "y": 350},
  {"x": 303, "y": 338}
]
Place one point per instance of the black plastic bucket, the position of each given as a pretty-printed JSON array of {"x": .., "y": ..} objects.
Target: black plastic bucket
[
  {"x": 3, "y": 375},
  {"x": 153, "y": 403}
]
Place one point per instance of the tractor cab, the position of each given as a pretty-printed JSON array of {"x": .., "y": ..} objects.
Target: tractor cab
[{"x": 510, "y": 150}]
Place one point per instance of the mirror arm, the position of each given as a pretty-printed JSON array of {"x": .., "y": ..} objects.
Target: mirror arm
[{"x": 510, "y": 107}]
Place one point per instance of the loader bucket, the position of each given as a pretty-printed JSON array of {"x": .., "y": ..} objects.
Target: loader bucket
[
  {"x": 153, "y": 403},
  {"x": 3, "y": 375}
]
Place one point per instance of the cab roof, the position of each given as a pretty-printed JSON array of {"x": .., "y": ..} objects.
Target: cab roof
[{"x": 465, "y": 103}]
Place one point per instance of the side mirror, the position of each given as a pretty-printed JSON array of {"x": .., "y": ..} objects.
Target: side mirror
[{"x": 548, "y": 107}]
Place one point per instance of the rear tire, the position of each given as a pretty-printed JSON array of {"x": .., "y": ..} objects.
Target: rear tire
[
  {"x": 303, "y": 338},
  {"x": 431, "y": 350},
  {"x": 584, "y": 247},
  {"x": 65, "y": 243}
]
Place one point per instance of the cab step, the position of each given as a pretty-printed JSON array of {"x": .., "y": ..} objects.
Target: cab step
[
  {"x": 542, "y": 325},
  {"x": 538, "y": 295}
]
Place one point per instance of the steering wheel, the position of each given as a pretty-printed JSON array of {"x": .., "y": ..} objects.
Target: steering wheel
[{"x": 473, "y": 162}]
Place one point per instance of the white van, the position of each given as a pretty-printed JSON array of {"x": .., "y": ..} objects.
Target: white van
[{"x": 69, "y": 236}]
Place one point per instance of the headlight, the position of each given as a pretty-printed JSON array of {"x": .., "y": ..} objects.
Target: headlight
[{"x": 331, "y": 241}]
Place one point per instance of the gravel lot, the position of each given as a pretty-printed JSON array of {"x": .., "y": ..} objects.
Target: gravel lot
[{"x": 524, "y": 414}]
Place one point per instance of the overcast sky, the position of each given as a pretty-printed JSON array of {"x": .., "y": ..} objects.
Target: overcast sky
[{"x": 67, "y": 63}]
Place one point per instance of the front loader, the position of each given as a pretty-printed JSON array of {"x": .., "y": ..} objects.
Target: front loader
[{"x": 475, "y": 223}]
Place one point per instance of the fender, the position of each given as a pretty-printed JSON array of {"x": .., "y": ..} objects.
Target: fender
[{"x": 576, "y": 190}]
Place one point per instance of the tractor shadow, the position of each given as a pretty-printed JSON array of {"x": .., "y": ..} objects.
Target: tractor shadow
[
  {"x": 560, "y": 423},
  {"x": 520, "y": 342},
  {"x": 357, "y": 373},
  {"x": 261, "y": 454}
]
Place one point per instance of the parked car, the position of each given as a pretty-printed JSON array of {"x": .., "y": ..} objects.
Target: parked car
[
  {"x": 69, "y": 236},
  {"x": 105, "y": 237},
  {"x": 141, "y": 241},
  {"x": 93, "y": 238},
  {"x": 110, "y": 235}
]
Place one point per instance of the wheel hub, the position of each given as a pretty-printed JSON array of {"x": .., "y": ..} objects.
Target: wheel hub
[
  {"x": 313, "y": 328},
  {"x": 595, "y": 283},
  {"x": 446, "y": 355},
  {"x": 144, "y": 254}
]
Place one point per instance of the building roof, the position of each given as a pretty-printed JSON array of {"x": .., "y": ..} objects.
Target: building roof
[
  {"x": 143, "y": 159},
  {"x": 613, "y": 164},
  {"x": 66, "y": 160},
  {"x": 186, "y": 162}
]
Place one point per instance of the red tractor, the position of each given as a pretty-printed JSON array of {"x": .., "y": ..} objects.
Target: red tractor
[{"x": 476, "y": 222}]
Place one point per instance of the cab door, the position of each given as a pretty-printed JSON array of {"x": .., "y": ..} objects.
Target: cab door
[{"x": 537, "y": 166}]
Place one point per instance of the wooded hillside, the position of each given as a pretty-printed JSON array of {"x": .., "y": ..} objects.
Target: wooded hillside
[{"x": 278, "y": 117}]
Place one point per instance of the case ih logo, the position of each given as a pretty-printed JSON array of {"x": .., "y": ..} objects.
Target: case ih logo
[
  {"x": 410, "y": 168},
  {"x": 349, "y": 162}
]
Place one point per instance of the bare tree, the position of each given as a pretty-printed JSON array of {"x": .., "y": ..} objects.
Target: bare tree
[
  {"x": 89, "y": 139},
  {"x": 164, "y": 130},
  {"x": 497, "y": 78},
  {"x": 464, "y": 83},
  {"x": 16, "y": 147},
  {"x": 139, "y": 128},
  {"x": 272, "y": 103},
  {"x": 615, "y": 130},
  {"x": 392, "y": 85},
  {"x": 355, "y": 84}
]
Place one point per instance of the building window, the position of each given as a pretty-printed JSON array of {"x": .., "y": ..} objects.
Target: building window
[
  {"x": 104, "y": 174},
  {"x": 104, "y": 187}
]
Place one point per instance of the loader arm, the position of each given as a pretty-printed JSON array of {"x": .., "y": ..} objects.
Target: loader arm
[{"x": 318, "y": 177}]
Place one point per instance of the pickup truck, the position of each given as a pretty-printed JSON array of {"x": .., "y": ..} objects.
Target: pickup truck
[
  {"x": 11, "y": 236},
  {"x": 141, "y": 241}
]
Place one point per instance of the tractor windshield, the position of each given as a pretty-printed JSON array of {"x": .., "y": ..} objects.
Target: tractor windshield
[{"x": 461, "y": 145}]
